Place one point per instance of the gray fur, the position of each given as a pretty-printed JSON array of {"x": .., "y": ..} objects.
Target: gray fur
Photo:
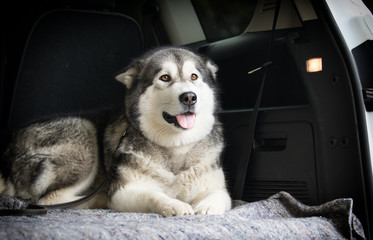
[
  {"x": 50, "y": 156},
  {"x": 161, "y": 156},
  {"x": 145, "y": 67},
  {"x": 54, "y": 161}
]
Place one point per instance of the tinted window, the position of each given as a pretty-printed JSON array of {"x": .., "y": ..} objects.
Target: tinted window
[{"x": 220, "y": 20}]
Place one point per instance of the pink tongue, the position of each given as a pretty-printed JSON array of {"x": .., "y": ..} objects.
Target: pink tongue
[{"x": 186, "y": 120}]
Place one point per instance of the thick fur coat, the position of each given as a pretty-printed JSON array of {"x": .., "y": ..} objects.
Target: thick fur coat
[{"x": 161, "y": 153}]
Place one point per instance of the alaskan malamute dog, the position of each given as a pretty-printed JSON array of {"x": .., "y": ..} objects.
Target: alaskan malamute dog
[{"x": 161, "y": 154}]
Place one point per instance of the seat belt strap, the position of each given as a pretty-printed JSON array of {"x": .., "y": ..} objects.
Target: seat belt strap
[{"x": 242, "y": 167}]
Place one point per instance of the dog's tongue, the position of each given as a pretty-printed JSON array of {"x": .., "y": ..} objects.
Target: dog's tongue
[{"x": 186, "y": 120}]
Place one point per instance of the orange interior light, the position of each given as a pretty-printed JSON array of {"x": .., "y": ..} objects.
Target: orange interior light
[{"x": 314, "y": 65}]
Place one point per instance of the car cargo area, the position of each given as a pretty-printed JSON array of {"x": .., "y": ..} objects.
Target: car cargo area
[
  {"x": 310, "y": 138},
  {"x": 307, "y": 138}
]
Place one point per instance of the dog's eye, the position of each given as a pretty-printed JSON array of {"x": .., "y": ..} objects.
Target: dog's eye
[
  {"x": 165, "y": 78},
  {"x": 193, "y": 76}
]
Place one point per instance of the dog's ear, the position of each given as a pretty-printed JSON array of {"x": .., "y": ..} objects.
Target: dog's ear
[
  {"x": 212, "y": 67},
  {"x": 129, "y": 75}
]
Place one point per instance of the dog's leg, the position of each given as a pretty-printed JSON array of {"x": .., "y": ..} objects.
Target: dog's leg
[
  {"x": 208, "y": 186},
  {"x": 135, "y": 198},
  {"x": 71, "y": 194},
  {"x": 42, "y": 179},
  {"x": 60, "y": 196},
  {"x": 53, "y": 162}
]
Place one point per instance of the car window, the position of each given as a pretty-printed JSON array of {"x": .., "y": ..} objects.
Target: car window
[{"x": 220, "y": 20}]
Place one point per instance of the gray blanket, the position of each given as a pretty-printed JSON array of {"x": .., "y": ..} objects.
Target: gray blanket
[{"x": 278, "y": 217}]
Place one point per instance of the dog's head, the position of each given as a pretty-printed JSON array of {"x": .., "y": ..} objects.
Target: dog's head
[{"x": 170, "y": 96}]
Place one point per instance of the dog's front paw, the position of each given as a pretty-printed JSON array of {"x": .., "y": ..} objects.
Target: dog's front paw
[
  {"x": 208, "y": 207},
  {"x": 215, "y": 203},
  {"x": 175, "y": 208}
]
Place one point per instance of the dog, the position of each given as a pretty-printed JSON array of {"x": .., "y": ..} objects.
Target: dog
[{"x": 161, "y": 153}]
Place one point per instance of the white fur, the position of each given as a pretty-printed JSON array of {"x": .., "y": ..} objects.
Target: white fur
[
  {"x": 161, "y": 97},
  {"x": 44, "y": 180},
  {"x": 60, "y": 196},
  {"x": 213, "y": 68},
  {"x": 198, "y": 189},
  {"x": 127, "y": 77},
  {"x": 64, "y": 150},
  {"x": 67, "y": 194},
  {"x": 141, "y": 198},
  {"x": 191, "y": 182},
  {"x": 82, "y": 147},
  {"x": 193, "y": 191}
]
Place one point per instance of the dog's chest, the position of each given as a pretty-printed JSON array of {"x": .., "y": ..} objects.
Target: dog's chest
[
  {"x": 167, "y": 164},
  {"x": 181, "y": 158},
  {"x": 186, "y": 167},
  {"x": 171, "y": 168}
]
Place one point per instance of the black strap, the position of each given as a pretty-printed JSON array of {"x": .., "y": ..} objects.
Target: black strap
[
  {"x": 29, "y": 210},
  {"x": 242, "y": 167},
  {"x": 15, "y": 206}
]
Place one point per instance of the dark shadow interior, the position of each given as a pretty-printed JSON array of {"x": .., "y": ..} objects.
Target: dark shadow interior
[{"x": 308, "y": 140}]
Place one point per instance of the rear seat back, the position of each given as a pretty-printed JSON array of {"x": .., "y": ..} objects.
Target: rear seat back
[{"x": 69, "y": 64}]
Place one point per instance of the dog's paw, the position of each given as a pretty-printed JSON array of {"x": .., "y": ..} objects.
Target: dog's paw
[
  {"x": 208, "y": 207},
  {"x": 176, "y": 208},
  {"x": 215, "y": 203}
]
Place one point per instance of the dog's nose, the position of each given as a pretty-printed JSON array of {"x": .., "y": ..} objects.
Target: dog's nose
[{"x": 188, "y": 98}]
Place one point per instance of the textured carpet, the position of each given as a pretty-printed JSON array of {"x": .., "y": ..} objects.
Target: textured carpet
[{"x": 278, "y": 217}]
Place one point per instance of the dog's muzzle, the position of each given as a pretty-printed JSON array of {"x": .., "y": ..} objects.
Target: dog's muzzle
[{"x": 186, "y": 119}]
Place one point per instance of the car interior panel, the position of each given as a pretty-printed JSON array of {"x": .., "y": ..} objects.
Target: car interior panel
[{"x": 310, "y": 138}]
